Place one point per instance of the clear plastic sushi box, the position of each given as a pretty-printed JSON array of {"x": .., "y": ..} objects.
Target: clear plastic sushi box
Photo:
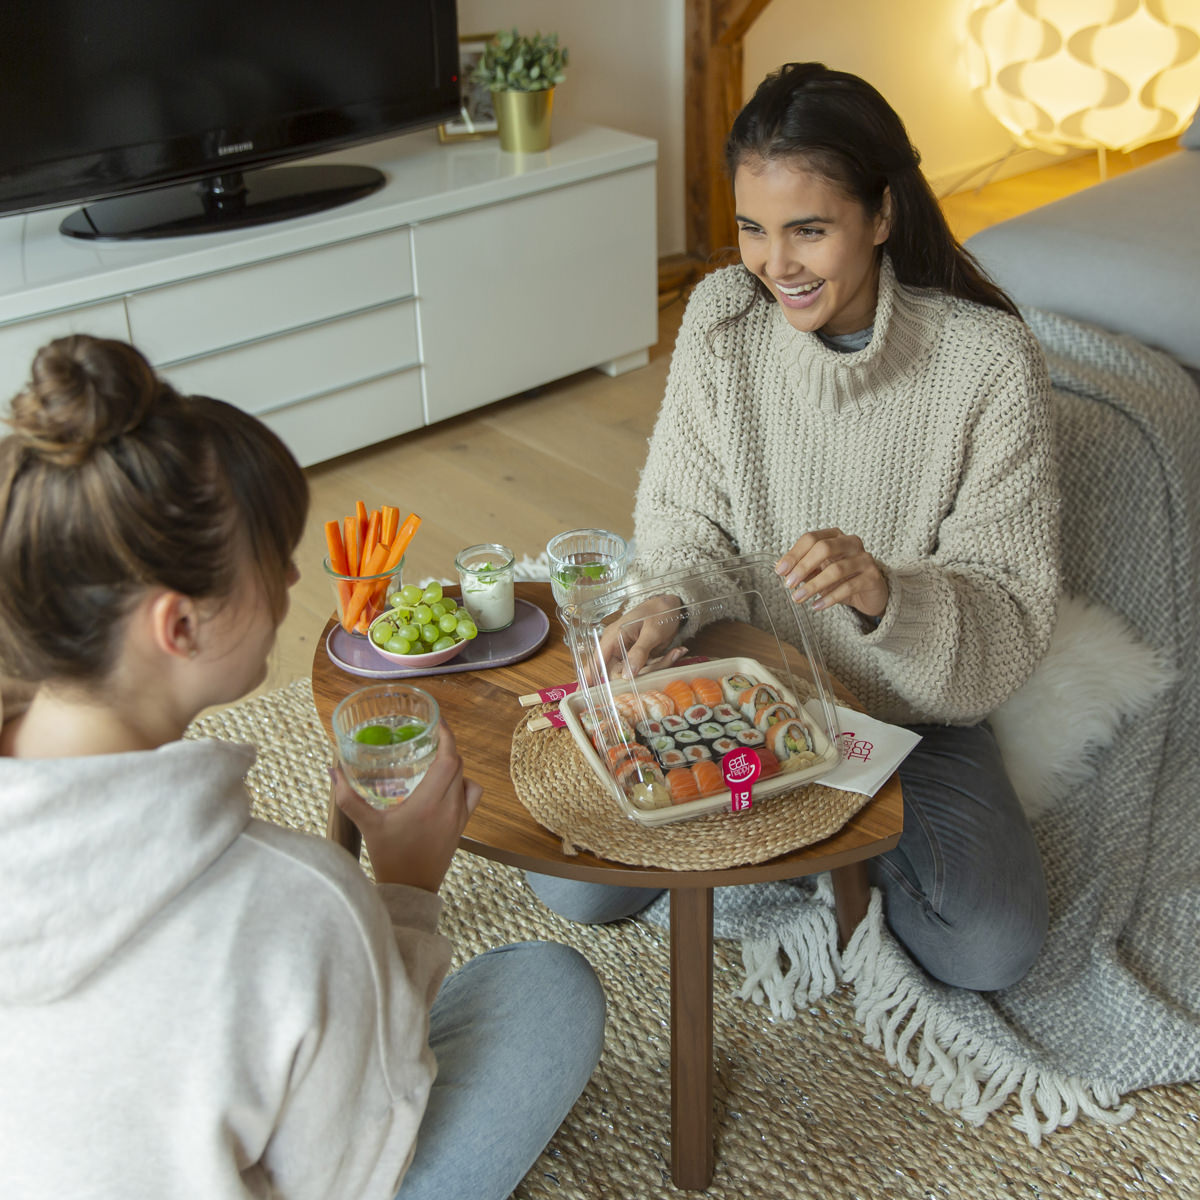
[{"x": 752, "y": 679}]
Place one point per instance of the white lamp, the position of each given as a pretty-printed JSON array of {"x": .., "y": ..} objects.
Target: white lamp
[{"x": 1096, "y": 74}]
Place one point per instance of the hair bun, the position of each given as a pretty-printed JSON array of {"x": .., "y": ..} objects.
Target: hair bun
[{"x": 85, "y": 392}]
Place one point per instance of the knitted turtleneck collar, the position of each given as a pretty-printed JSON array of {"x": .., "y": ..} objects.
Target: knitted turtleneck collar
[{"x": 907, "y": 326}]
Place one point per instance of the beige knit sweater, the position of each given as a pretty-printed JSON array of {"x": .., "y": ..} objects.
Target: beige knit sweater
[{"x": 932, "y": 444}]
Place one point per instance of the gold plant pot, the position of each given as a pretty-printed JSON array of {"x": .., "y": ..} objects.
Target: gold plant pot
[{"x": 523, "y": 120}]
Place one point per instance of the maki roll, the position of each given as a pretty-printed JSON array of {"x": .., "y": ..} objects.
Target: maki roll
[
  {"x": 672, "y": 758},
  {"x": 723, "y": 745},
  {"x": 647, "y": 731},
  {"x": 672, "y": 723},
  {"x": 752, "y": 738},
  {"x": 645, "y": 787},
  {"x": 697, "y": 715},
  {"x": 789, "y": 739},
  {"x": 732, "y": 686},
  {"x": 733, "y": 728},
  {"x": 661, "y": 744},
  {"x": 772, "y": 714},
  {"x": 685, "y": 738},
  {"x": 710, "y": 731},
  {"x": 726, "y": 713},
  {"x": 698, "y": 753},
  {"x": 753, "y": 698}
]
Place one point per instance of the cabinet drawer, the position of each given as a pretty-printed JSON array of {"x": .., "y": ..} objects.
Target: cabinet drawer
[
  {"x": 213, "y": 312},
  {"x": 351, "y": 418},
  {"x": 21, "y": 341},
  {"x": 269, "y": 374}
]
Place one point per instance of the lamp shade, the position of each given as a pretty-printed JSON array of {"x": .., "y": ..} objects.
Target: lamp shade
[{"x": 1111, "y": 74}]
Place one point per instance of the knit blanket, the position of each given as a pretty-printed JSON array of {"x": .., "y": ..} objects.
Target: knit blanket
[{"x": 1113, "y": 1003}]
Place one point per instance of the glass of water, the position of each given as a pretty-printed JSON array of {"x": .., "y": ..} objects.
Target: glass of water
[
  {"x": 387, "y": 737},
  {"x": 584, "y": 563}
]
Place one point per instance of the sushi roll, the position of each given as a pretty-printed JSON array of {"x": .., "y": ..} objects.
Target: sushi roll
[
  {"x": 697, "y": 715},
  {"x": 627, "y": 752},
  {"x": 672, "y": 758},
  {"x": 707, "y": 691},
  {"x": 772, "y": 714},
  {"x": 723, "y": 745},
  {"x": 646, "y": 788},
  {"x": 732, "y": 686},
  {"x": 726, "y": 713},
  {"x": 631, "y": 771},
  {"x": 752, "y": 738},
  {"x": 708, "y": 777},
  {"x": 753, "y": 698},
  {"x": 789, "y": 739},
  {"x": 672, "y": 723},
  {"x": 681, "y": 694},
  {"x": 646, "y": 731},
  {"x": 685, "y": 738},
  {"x": 698, "y": 753},
  {"x": 681, "y": 783},
  {"x": 733, "y": 728},
  {"x": 710, "y": 731},
  {"x": 661, "y": 744}
]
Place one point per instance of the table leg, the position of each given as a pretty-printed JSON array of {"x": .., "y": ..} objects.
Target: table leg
[
  {"x": 692, "y": 1037},
  {"x": 851, "y": 895},
  {"x": 339, "y": 828}
]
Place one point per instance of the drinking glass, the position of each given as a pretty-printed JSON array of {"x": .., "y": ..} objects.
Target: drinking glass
[
  {"x": 486, "y": 574},
  {"x": 387, "y": 736},
  {"x": 366, "y": 596},
  {"x": 584, "y": 563}
]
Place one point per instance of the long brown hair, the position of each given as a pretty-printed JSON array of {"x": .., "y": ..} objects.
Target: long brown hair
[
  {"x": 846, "y": 132},
  {"x": 112, "y": 482}
]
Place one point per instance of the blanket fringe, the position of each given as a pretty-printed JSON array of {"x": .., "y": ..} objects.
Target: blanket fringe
[{"x": 930, "y": 1047}]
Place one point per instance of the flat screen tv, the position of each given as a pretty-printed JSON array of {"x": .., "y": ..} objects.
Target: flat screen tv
[{"x": 167, "y": 117}]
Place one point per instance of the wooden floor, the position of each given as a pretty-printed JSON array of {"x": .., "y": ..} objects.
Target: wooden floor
[{"x": 563, "y": 456}]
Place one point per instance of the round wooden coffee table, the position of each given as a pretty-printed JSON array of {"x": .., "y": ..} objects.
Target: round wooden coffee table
[{"x": 485, "y": 702}]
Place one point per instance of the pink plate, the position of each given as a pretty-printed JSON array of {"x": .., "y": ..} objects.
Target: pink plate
[{"x": 500, "y": 649}]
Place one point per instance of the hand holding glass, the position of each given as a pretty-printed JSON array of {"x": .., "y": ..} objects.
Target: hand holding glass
[{"x": 584, "y": 563}]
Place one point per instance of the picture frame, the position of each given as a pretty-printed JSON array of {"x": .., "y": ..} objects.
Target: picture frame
[{"x": 477, "y": 116}]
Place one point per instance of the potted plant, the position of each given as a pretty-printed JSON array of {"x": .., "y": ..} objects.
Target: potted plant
[{"x": 521, "y": 73}]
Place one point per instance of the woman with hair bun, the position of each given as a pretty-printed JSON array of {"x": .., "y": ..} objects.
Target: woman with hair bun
[
  {"x": 193, "y": 1002},
  {"x": 859, "y": 399}
]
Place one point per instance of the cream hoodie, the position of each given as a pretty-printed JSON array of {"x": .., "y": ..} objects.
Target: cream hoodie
[{"x": 194, "y": 1003}]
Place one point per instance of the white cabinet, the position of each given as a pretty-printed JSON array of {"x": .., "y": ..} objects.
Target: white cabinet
[{"x": 471, "y": 276}]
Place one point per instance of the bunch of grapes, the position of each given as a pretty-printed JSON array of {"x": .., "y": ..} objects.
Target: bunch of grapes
[{"x": 421, "y": 621}]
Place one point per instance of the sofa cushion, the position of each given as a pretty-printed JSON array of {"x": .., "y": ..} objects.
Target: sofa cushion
[{"x": 1123, "y": 254}]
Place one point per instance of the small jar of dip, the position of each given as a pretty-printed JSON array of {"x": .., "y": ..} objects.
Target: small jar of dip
[{"x": 486, "y": 575}]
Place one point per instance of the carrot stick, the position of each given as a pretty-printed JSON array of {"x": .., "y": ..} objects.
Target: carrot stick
[
  {"x": 399, "y": 543},
  {"x": 365, "y": 589},
  {"x": 391, "y": 519},
  {"x": 372, "y": 538},
  {"x": 352, "y": 545},
  {"x": 337, "y": 558},
  {"x": 360, "y": 512}
]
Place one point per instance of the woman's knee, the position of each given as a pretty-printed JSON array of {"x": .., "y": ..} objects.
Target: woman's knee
[{"x": 589, "y": 903}]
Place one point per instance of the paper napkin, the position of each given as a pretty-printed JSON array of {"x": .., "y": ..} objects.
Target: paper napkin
[{"x": 871, "y": 751}]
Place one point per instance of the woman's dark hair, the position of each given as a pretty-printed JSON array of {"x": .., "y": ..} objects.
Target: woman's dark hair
[
  {"x": 112, "y": 482},
  {"x": 847, "y": 133}
]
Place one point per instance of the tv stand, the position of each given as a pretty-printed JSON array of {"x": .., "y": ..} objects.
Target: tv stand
[
  {"x": 470, "y": 276},
  {"x": 219, "y": 203}
]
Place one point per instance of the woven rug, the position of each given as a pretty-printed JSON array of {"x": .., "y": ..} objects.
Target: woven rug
[{"x": 804, "y": 1109}]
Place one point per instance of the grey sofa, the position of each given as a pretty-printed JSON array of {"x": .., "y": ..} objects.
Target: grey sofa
[{"x": 1123, "y": 254}]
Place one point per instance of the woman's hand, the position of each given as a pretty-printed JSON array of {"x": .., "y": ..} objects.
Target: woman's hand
[
  {"x": 413, "y": 842},
  {"x": 830, "y": 567},
  {"x": 640, "y": 632}
]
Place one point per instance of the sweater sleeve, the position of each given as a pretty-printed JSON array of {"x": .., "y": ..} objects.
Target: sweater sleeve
[
  {"x": 360, "y": 1078},
  {"x": 965, "y": 627}
]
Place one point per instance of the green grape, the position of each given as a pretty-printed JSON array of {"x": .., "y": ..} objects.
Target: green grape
[
  {"x": 466, "y": 629},
  {"x": 444, "y": 643},
  {"x": 438, "y": 609},
  {"x": 381, "y": 631},
  {"x": 422, "y": 613},
  {"x": 463, "y": 614},
  {"x": 432, "y": 592},
  {"x": 399, "y": 645},
  {"x": 410, "y": 594},
  {"x": 430, "y": 634},
  {"x": 447, "y": 622},
  {"x": 410, "y": 631},
  {"x": 373, "y": 735}
]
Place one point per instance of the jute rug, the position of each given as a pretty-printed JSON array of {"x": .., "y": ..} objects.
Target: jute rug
[{"x": 804, "y": 1110}]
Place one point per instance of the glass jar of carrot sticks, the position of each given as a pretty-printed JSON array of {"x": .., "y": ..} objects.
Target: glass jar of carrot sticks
[{"x": 365, "y": 562}]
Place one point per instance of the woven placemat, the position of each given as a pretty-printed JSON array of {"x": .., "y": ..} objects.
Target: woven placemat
[
  {"x": 561, "y": 791},
  {"x": 805, "y": 1110}
]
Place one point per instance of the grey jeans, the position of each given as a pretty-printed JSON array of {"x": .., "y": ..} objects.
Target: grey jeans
[
  {"x": 517, "y": 1032},
  {"x": 964, "y": 891}
]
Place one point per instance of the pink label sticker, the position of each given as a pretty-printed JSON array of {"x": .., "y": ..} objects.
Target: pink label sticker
[
  {"x": 554, "y": 694},
  {"x": 740, "y": 769}
]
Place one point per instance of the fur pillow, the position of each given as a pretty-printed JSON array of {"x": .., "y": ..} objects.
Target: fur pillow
[{"x": 1096, "y": 674}]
